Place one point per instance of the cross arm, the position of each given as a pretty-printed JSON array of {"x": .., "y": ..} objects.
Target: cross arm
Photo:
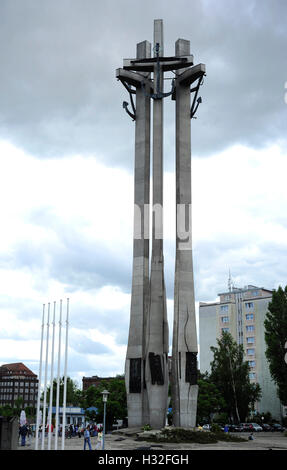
[
  {"x": 189, "y": 76},
  {"x": 166, "y": 63},
  {"x": 132, "y": 78}
]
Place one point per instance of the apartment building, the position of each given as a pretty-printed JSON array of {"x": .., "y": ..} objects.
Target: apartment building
[
  {"x": 18, "y": 381},
  {"x": 241, "y": 312}
]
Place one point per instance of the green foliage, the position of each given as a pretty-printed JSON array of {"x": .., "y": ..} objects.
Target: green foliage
[
  {"x": 215, "y": 428},
  {"x": 116, "y": 407},
  {"x": 276, "y": 338},
  {"x": 178, "y": 435},
  {"x": 146, "y": 427},
  {"x": 230, "y": 374},
  {"x": 210, "y": 400},
  {"x": 74, "y": 394},
  {"x": 221, "y": 418},
  {"x": 260, "y": 418},
  {"x": 8, "y": 411}
]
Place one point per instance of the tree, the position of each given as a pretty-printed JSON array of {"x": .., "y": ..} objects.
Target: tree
[
  {"x": 209, "y": 400},
  {"x": 276, "y": 338},
  {"x": 116, "y": 407},
  {"x": 74, "y": 394},
  {"x": 230, "y": 374}
]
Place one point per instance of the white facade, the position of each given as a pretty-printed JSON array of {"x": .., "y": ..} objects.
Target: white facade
[{"x": 241, "y": 312}]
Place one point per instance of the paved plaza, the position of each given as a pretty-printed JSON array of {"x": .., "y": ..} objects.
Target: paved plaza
[{"x": 126, "y": 440}]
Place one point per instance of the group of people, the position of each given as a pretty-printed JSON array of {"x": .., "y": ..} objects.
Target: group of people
[
  {"x": 87, "y": 432},
  {"x": 76, "y": 430}
]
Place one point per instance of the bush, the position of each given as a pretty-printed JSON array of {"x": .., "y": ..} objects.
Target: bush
[
  {"x": 178, "y": 435},
  {"x": 146, "y": 427},
  {"x": 185, "y": 435},
  {"x": 215, "y": 428}
]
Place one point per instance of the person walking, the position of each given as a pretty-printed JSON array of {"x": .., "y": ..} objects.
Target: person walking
[
  {"x": 87, "y": 438},
  {"x": 23, "y": 434},
  {"x": 99, "y": 444}
]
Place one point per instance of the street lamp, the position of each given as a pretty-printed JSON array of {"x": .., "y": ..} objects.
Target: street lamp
[{"x": 105, "y": 394}]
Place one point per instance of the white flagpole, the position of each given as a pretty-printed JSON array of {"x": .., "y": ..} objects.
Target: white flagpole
[
  {"x": 58, "y": 380},
  {"x": 51, "y": 381},
  {"x": 45, "y": 383},
  {"x": 65, "y": 378},
  {"x": 39, "y": 382}
]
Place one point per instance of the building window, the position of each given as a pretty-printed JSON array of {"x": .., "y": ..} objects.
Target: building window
[
  {"x": 252, "y": 375},
  {"x": 227, "y": 297},
  {"x": 252, "y": 363},
  {"x": 225, "y": 330},
  {"x": 250, "y": 352},
  {"x": 250, "y": 316},
  {"x": 250, "y": 328},
  {"x": 249, "y": 305},
  {"x": 224, "y": 308},
  {"x": 224, "y": 319},
  {"x": 250, "y": 339}
]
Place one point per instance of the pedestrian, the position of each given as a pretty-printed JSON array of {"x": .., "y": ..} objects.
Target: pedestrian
[
  {"x": 99, "y": 444},
  {"x": 23, "y": 433},
  {"x": 87, "y": 438}
]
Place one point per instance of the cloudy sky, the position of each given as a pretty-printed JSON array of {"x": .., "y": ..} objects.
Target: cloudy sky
[{"x": 66, "y": 163}]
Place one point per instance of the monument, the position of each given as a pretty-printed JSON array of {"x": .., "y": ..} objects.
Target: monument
[{"x": 146, "y": 368}]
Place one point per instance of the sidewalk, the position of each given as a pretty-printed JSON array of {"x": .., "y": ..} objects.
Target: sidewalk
[{"x": 126, "y": 440}]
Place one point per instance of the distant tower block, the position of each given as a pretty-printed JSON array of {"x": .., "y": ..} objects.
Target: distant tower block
[{"x": 146, "y": 371}]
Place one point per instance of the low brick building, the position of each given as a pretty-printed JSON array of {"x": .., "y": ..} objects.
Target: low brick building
[{"x": 94, "y": 381}]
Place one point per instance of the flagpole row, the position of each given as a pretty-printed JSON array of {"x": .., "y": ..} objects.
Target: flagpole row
[{"x": 46, "y": 415}]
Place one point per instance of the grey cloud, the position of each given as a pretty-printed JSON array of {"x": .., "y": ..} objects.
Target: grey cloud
[
  {"x": 113, "y": 322},
  {"x": 59, "y": 94},
  {"x": 73, "y": 259},
  {"x": 85, "y": 345},
  {"x": 265, "y": 267}
]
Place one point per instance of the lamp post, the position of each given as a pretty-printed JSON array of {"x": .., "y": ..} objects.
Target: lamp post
[{"x": 105, "y": 394}]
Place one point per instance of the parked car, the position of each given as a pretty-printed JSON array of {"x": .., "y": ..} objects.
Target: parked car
[
  {"x": 266, "y": 427},
  {"x": 236, "y": 428},
  {"x": 277, "y": 427},
  {"x": 255, "y": 427},
  {"x": 246, "y": 427}
]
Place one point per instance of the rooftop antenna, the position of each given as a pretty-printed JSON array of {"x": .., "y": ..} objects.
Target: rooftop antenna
[{"x": 230, "y": 283}]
